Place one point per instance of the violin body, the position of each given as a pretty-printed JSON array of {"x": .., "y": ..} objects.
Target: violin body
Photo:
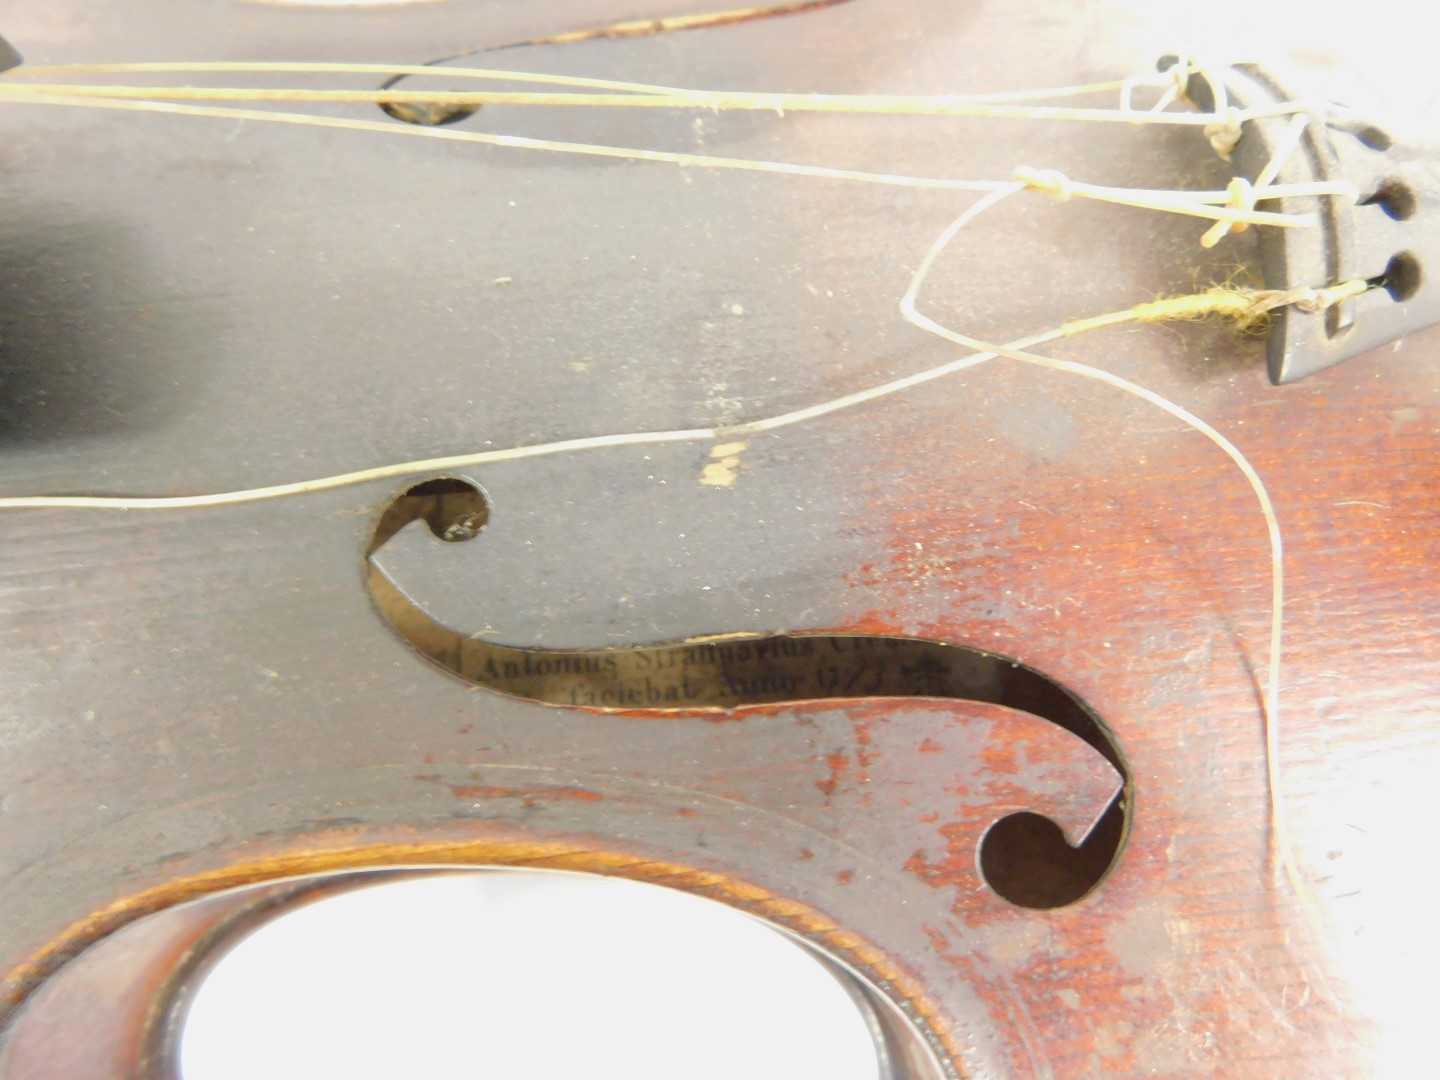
[{"x": 200, "y": 700}]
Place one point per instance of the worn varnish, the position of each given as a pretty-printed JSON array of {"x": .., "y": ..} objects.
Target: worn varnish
[{"x": 199, "y": 700}]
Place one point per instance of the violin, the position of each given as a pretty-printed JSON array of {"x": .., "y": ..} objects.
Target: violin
[{"x": 963, "y": 687}]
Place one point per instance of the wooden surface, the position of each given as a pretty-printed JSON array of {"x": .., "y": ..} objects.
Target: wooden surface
[{"x": 197, "y": 700}]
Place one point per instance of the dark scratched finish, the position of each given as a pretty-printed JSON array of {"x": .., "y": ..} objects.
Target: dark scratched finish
[{"x": 198, "y": 700}]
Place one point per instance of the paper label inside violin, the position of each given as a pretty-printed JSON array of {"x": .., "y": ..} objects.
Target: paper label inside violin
[
  {"x": 729, "y": 674},
  {"x": 720, "y": 673}
]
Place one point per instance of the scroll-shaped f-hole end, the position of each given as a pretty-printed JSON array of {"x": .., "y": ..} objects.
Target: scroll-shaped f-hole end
[
  {"x": 1026, "y": 859},
  {"x": 454, "y": 509}
]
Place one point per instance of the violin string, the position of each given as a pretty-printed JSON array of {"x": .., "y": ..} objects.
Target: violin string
[
  {"x": 1196, "y": 204},
  {"x": 508, "y": 75},
  {"x": 288, "y": 68},
  {"x": 1005, "y": 105},
  {"x": 1221, "y": 302},
  {"x": 707, "y": 100},
  {"x": 1236, "y": 211}
]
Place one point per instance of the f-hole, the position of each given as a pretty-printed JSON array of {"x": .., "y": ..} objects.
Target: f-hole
[{"x": 1023, "y": 857}]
